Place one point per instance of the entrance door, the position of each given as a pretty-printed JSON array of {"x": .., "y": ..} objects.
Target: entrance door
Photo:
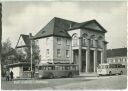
[
  {"x": 75, "y": 56},
  {"x": 83, "y": 64},
  {"x": 91, "y": 67}
]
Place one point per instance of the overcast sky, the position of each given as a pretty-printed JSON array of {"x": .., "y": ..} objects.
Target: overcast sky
[{"x": 29, "y": 17}]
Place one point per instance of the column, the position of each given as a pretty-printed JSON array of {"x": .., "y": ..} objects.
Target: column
[
  {"x": 72, "y": 55},
  {"x": 88, "y": 56},
  {"x": 101, "y": 56},
  {"x": 95, "y": 60},
  {"x": 87, "y": 60},
  {"x": 80, "y": 54},
  {"x": 105, "y": 54}
]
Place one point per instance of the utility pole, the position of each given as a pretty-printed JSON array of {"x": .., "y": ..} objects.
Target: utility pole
[{"x": 30, "y": 37}]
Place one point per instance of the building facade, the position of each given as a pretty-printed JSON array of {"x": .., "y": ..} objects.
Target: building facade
[
  {"x": 64, "y": 41},
  {"x": 118, "y": 55}
]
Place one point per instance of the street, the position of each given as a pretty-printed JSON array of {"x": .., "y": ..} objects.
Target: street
[{"x": 81, "y": 82}]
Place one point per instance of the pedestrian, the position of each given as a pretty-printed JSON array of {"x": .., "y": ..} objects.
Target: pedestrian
[
  {"x": 7, "y": 75},
  {"x": 11, "y": 75}
]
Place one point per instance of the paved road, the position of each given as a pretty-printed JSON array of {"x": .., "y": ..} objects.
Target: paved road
[{"x": 104, "y": 82}]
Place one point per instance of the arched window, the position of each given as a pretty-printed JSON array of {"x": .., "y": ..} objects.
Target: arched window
[
  {"x": 92, "y": 40},
  {"x": 84, "y": 39},
  {"x": 100, "y": 40},
  {"x": 75, "y": 39}
]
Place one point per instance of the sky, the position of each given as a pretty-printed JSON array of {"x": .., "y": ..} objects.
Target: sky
[{"x": 29, "y": 17}]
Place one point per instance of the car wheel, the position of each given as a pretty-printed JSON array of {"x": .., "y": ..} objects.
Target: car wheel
[
  {"x": 70, "y": 75},
  {"x": 51, "y": 76}
]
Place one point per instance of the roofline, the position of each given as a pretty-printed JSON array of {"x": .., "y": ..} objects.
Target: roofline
[
  {"x": 18, "y": 64},
  {"x": 50, "y": 36},
  {"x": 117, "y": 48},
  {"x": 65, "y": 19},
  {"x": 88, "y": 29},
  {"x": 22, "y": 46}
]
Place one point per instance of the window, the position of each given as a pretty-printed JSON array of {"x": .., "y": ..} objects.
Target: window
[
  {"x": 75, "y": 40},
  {"x": 92, "y": 42},
  {"x": 58, "y": 53},
  {"x": 26, "y": 68},
  {"x": 67, "y": 42},
  {"x": 67, "y": 53},
  {"x": 47, "y": 39},
  {"x": 84, "y": 39},
  {"x": 84, "y": 42},
  {"x": 58, "y": 40},
  {"x": 47, "y": 52},
  {"x": 124, "y": 59}
]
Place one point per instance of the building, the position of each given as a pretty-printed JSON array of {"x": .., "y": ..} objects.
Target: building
[
  {"x": 20, "y": 65},
  {"x": 64, "y": 41},
  {"x": 118, "y": 55}
]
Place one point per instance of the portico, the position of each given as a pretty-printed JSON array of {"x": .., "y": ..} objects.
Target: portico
[
  {"x": 90, "y": 58},
  {"x": 88, "y": 48}
]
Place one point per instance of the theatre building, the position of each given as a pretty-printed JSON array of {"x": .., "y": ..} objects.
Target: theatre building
[{"x": 65, "y": 41}]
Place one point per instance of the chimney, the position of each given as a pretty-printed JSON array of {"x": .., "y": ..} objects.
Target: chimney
[{"x": 30, "y": 35}]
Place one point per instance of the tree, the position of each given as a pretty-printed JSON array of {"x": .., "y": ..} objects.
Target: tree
[
  {"x": 6, "y": 51},
  {"x": 0, "y": 31},
  {"x": 35, "y": 52},
  {"x": 24, "y": 53}
]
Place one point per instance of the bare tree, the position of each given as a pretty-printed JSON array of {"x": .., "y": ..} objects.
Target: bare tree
[{"x": 6, "y": 51}]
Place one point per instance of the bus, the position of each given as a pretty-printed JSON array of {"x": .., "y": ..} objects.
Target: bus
[
  {"x": 56, "y": 70},
  {"x": 111, "y": 69}
]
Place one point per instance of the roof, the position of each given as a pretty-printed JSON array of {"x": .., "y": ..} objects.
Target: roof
[
  {"x": 26, "y": 40},
  {"x": 91, "y": 25},
  {"x": 119, "y": 52},
  {"x": 59, "y": 27},
  {"x": 19, "y": 64},
  {"x": 56, "y": 27}
]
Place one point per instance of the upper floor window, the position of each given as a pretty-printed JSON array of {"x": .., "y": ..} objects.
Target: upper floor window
[
  {"x": 58, "y": 53},
  {"x": 67, "y": 42},
  {"x": 75, "y": 39},
  {"x": 67, "y": 53},
  {"x": 47, "y": 52},
  {"x": 84, "y": 39},
  {"x": 47, "y": 39},
  {"x": 58, "y": 40},
  {"x": 100, "y": 42},
  {"x": 92, "y": 41}
]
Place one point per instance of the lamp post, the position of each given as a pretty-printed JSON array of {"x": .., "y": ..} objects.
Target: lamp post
[{"x": 31, "y": 52}]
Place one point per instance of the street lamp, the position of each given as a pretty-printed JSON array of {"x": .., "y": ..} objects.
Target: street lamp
[{"x": 30, "y": 37}]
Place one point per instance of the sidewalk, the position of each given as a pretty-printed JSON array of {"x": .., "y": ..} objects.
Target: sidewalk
[
  {"x": 89, "y": 74},
  {"x": 3, "y": 78}
]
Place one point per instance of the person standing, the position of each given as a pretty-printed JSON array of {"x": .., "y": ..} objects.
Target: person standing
[
  {"x": 7, "y": 75},
  {"x": 11, "y": 75}
]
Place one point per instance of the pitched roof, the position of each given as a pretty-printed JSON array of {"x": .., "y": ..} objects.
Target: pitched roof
[
  {"x": 119, "y": 52},
  {"x": 59, "y": 27},
  {"x": 26, "y": 40},
  {"x": 56, "y": 27},
  {"x": 91, "y": 25}
]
